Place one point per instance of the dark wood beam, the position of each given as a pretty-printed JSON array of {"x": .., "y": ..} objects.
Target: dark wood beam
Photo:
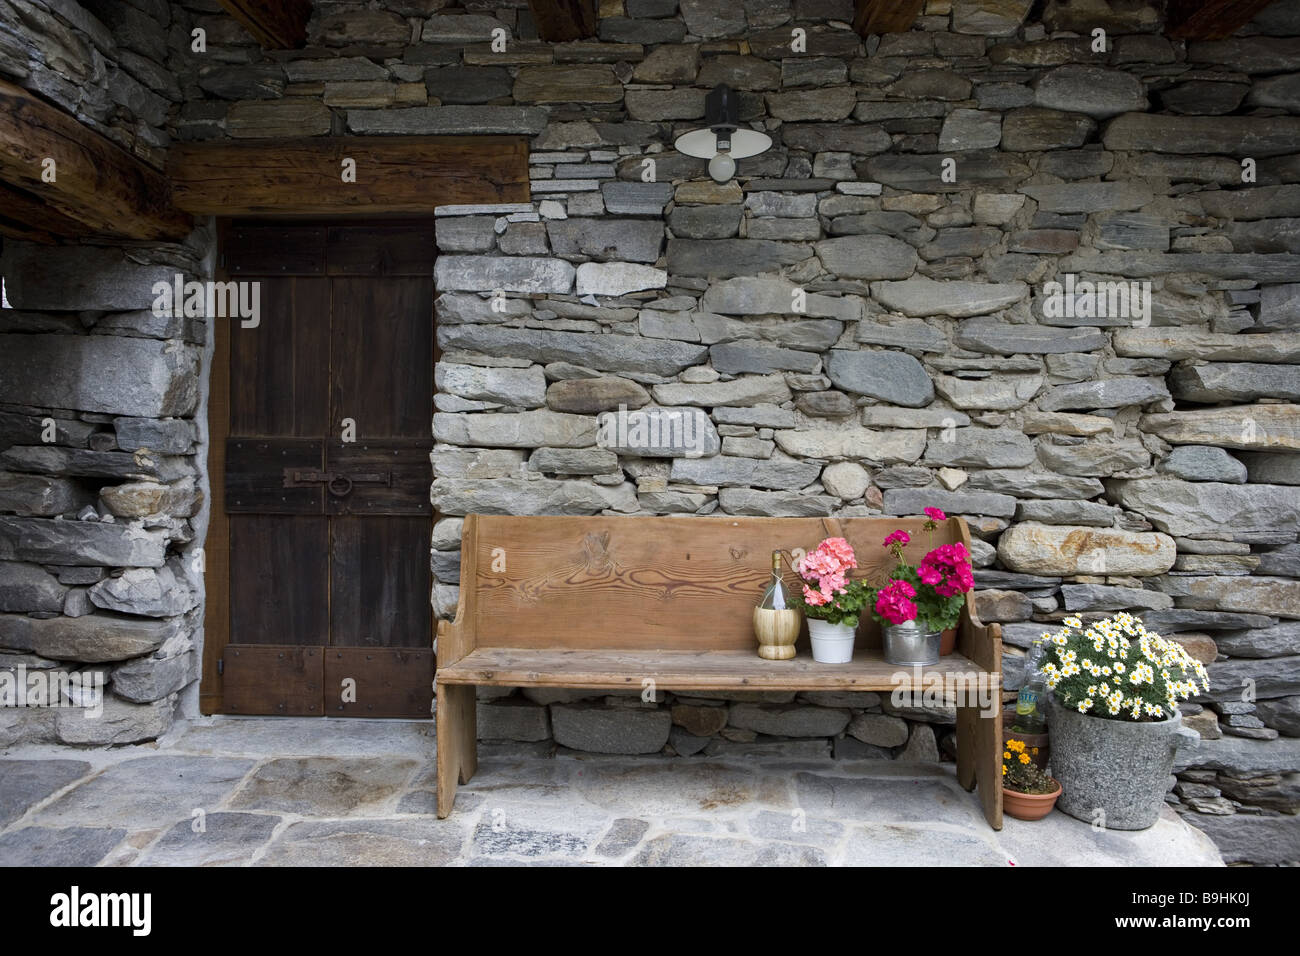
[
  {"x": 562, "y": 20},
  {"x": 1210, "y": 19},
  {"x": 394, "y": 174},
  {"x": 885, "y": 16},
  {"x": 275, "y": 24},
  {"x": 23, "y": 216},
  {"x": 95, "y": 181}
]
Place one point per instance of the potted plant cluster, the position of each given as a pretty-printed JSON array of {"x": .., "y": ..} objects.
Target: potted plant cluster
[
  {"x": 1028, "y": 793},
  {"x": 918, "y": 603},
  {"x": 831, "y": 602},
  {"x": 1113, "y": 713}
]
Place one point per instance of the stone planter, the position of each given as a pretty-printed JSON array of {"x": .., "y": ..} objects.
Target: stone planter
[
  {"x": 831, "y": 643},
  {"x": 1118, "y": 767}
]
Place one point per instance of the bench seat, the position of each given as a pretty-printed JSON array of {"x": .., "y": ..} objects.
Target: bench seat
[
  {"x": 689, "y": 670},
  {"x": 612, "y": 602}
]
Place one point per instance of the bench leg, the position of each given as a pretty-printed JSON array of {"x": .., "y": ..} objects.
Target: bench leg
[
  {"x": 457, "y": 742},
  {"x": 979, "y": 759}
]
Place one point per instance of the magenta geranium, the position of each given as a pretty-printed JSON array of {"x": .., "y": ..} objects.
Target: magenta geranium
[
  {"x": 894, "y": 604},
  {"x": 931, "y": 593}
]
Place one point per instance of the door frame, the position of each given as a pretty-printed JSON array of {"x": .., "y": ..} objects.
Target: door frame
[{"x": 300, "y": 178}]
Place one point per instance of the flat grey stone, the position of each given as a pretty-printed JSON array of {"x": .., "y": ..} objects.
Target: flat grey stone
[
  {"x": 1203, "y": 463},
  {"x": 892, "y": 377},
  {"x": 691, "y": 850},
  {"x": 886, "y": 800},
  {"x": 28, "y": 782},
  {"x": 636, "y": 199},
  {"x": 925, "y": 297},
  {"x": 147, "y": 792},
  {"x": 789, "y": 720},
  {"x": 365, "y": 842},
  {"x": 1204, "y": 507},
  {"x": 611, "y": 353},
  {"x": 617, "y": 731},
  {"x": 46, "y": 846},
  {"x": 324, "y": 786},
  {"x": 227, "y": 839}
]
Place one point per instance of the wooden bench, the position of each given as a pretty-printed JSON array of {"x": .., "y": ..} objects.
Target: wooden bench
[{"x": 608, "y": 602}]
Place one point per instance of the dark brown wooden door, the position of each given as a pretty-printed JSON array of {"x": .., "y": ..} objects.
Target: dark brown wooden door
[{"x": 327, "y": 472}]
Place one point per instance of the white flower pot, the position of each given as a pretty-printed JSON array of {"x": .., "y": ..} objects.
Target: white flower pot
[{"x": 831, "y": 643}]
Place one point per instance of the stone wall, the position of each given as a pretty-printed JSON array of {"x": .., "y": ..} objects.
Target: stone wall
[
  {"x": 1146, "y": 463},
  {"x": 102, "y": 403}
]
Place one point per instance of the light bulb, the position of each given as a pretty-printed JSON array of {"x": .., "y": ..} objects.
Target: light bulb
[{"x": 722, "y": 167}]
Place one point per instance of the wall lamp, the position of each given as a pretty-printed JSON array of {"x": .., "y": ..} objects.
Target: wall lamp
[{"x": 723, "y": 141}]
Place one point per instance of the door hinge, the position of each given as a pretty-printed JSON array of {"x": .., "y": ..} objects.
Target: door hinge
[{"x": 221, "y": 666}]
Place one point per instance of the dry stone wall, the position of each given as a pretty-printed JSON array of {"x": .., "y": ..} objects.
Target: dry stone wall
[
  {"x": 924, "y": 193},
  {"x": 101, "y": 404}
]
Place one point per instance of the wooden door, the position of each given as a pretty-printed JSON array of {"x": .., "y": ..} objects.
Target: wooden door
[{"x": 327, "y": 472}]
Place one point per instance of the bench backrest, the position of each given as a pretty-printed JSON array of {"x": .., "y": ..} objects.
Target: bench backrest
[{"x": 651, "y": 583}]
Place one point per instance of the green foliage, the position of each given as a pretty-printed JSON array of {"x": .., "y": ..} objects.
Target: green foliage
[{"x": 845, "y": 609}]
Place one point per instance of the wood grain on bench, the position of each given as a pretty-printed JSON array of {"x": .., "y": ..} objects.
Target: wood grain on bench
[{"x": 689, "y": 670}]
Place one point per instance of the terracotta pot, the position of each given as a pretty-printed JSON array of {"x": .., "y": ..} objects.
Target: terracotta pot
[
  {"x": 1029, "y": 806},
  {"x": 947, "y": 641},
  {"x": 1041, "y": 741}
]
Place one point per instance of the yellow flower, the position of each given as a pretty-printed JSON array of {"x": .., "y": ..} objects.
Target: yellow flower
[
  {"x": 1024, "y": 758},
  {"x": 1006, "y": 755},
  {"x": 1004, "y": 770},
  {"x": 1035, "y": 749}
]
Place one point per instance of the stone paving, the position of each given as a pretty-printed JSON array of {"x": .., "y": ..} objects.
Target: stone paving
[{"x": 323, "y": 792}]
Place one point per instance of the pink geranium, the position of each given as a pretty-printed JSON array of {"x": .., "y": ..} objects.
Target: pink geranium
[
  {"x": 815, "y": 598},
  {"x": 935, "y": 514}
]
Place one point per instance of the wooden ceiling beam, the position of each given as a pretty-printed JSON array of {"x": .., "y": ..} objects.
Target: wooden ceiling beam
[
  {"x": 559, "y": 21},
  {"x": 275, "y": 24},
  {"x": 394, "y": 174},
  {"x": 873, "y": 17},
  {"x": 92, "y": 181},
  {"x": 1210, "y": 19},
  {"x": 23, "y": 216}
]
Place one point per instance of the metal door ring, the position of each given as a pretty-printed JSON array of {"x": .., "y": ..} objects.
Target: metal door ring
[{"x": 340, "y": 486}]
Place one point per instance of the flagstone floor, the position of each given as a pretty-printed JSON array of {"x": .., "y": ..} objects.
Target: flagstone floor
[{"x": 323, "y": 792}]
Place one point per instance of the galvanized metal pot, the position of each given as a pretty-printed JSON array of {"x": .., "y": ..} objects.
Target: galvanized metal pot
[{"x": 910, "y": 644}]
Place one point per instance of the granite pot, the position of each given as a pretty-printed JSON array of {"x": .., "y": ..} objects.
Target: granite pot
[{"x": 1113, "y": 772}]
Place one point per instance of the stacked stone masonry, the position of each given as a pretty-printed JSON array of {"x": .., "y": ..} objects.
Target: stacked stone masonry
[{"x": 922, "y": 192}]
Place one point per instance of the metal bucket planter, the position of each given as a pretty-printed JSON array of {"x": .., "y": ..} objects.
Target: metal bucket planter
[
  {"x": 910, "y": 645},
  {"x": 1113, "y": 772}
]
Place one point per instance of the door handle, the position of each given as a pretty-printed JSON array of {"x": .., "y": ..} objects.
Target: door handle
[{"x": 337, "y": 483}]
